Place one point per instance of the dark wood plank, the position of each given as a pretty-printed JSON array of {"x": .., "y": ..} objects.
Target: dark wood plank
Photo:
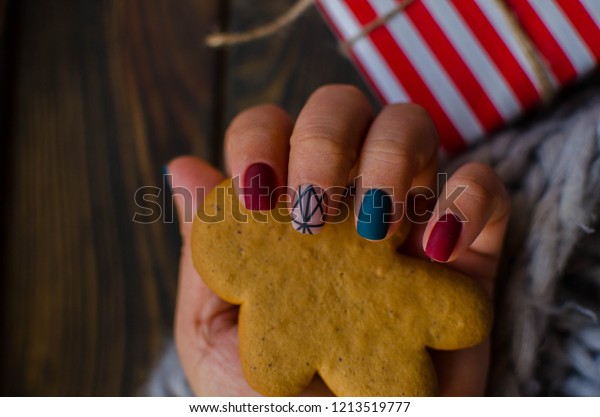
[
  {"x": 106, "y": 93},
  {"x": 7, "y": 39},
  {"x": 3, "y": 8},
  {"x": 286, "y": 67},
  {"x": 4, "y": 131}
]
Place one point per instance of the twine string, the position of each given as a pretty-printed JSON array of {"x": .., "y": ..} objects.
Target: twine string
[
  {"x": 375, "y": 23},
  {"x": 219, "y": 39},
  {"x": 533, "y": 56}
]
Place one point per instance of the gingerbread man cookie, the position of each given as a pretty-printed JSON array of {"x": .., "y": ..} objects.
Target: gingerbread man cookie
[{"x": 357, "y": 312}]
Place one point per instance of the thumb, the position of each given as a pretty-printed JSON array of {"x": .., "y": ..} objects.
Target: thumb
[{"x": 190, "y": 179}]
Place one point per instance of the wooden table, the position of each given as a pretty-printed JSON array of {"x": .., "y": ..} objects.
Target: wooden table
[{"x": 96, "y": 96}]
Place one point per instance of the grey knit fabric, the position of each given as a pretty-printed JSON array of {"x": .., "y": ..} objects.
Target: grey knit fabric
[
  {"x": 547, "y": 335},
  {"x": 167, "y": 378}
]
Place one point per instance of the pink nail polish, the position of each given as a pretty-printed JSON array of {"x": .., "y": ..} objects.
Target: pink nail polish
[{"x": 443, "y": 238}]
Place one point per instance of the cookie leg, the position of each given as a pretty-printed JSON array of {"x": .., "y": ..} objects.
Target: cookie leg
[
  {"x": 381, "y": 376},
  {"x": 273, "y": 364}
]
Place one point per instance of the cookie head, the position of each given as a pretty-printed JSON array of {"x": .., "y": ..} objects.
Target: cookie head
[{"x": 357, "y": 312}]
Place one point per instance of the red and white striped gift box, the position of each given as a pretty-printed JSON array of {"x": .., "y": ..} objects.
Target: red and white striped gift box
[
  {"x": 473, "y": 64},
  {"x": 565, "y": 32}
]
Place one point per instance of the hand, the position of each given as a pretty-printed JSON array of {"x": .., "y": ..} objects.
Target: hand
[{"x": 335, "y": 139}]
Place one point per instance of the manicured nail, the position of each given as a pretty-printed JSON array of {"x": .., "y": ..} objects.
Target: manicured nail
[
  {"x": 373, "y": 216},
  {"x": 308, "y": 211},
  {"x": 443, "y": 238},
  {"x": 259, "y": 187}
]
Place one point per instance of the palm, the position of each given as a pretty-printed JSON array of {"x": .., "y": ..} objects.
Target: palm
[{"x": 221, "y": 367}]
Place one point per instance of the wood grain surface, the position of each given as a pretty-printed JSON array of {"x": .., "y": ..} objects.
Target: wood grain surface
[
  {"x": 7, "y": 49},
  {"x": 96, "y": 97}
]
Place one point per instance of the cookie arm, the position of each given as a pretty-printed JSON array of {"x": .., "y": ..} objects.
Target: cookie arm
[{"x": 217, "y": 245}]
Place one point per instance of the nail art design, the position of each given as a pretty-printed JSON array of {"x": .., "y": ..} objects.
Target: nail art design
[
  {"x": 443, "y": 238},
  {"x": 308, "y": 211},
  {"x": 372, "y": 219}
]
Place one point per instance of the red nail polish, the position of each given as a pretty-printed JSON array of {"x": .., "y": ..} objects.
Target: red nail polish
[
  {"x": 259, "y": 187},
  {"x": 443, "y": 238}
]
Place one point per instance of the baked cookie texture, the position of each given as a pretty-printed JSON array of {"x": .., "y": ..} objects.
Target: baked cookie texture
[{"x": 357, "y": 312}]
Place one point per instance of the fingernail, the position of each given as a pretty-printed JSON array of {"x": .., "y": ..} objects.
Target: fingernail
[
  {"x": 372, "y": 219},
  {"x": 308, "y": 211},
  {"x": 443, "y": 238},
  {"x": 259, "y": 187}
]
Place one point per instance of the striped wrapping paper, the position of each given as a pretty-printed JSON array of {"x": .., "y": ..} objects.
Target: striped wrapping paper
[{"x": 473, "y": 64}]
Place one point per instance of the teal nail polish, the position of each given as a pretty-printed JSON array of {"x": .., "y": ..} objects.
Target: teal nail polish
[{"x": 374, "y": 214}]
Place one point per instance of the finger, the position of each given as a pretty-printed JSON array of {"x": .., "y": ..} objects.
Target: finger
[
  {"x": 256, "y": 154},
  {"x": 474, "y": 194},
  {"x": 463, "y": 373},
  {"x": 190, "y": 180},
  {"x": 324, "y": 147},
  {"x": 400, "y": 151},
  {"x": 470, "y": 216}
]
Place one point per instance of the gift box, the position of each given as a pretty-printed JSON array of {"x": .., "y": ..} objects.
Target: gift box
[{"x": 473, "y": 64}]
